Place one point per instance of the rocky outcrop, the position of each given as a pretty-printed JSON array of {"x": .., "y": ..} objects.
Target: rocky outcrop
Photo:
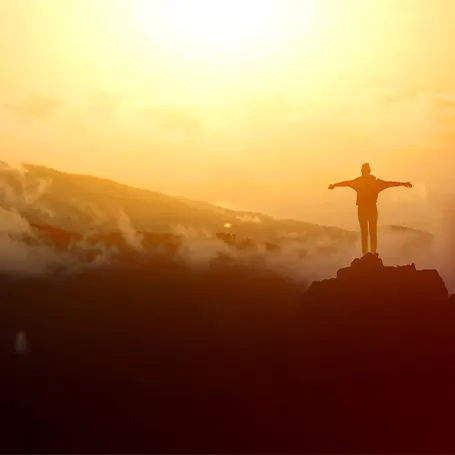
[{"x": 369, "y": 279}]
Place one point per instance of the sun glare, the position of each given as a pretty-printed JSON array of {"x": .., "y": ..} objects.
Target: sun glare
[{"x": 212, "y": 28}]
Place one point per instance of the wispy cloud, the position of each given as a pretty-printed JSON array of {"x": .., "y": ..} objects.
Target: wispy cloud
[{"x": 36, "y": 106}]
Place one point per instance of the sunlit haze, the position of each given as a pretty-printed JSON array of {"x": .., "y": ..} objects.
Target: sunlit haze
[
  {"x": 253, "y": 104},
  {"x": 210, "y": 30}
]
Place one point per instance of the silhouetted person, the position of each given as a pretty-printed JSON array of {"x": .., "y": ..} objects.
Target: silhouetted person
[{"x": 368, "y": 188}]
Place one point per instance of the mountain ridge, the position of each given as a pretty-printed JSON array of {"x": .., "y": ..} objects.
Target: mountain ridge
[
  {"x": 81, "y": 203},
  {"x": 45, "y": 171}
]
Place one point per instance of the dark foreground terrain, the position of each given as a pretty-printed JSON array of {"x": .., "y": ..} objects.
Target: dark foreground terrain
[{"x": 230, "y": 359}]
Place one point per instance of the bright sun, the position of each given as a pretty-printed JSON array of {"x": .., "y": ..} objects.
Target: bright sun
[{"x": 211, "y": 28}]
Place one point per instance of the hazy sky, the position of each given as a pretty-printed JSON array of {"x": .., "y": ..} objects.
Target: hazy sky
[{"x": 258, "y": 106}]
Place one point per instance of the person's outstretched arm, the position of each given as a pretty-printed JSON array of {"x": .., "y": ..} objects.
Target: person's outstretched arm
[
  {"x": 386, "y": 184},
  {"x": 346, "y": 183}
]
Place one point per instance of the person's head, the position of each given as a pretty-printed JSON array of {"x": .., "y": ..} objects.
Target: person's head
[{"x": 366, "y": 169}]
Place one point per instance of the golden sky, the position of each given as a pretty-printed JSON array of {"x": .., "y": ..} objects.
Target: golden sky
[{"x": 256, "y": 104}]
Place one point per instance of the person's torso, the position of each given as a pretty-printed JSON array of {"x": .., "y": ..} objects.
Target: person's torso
[{"x": 367, "y": 188}]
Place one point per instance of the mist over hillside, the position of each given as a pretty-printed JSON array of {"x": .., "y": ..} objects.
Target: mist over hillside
[
  {"x": 81, "y": 202},
  {"x": 90, "y": 206}
]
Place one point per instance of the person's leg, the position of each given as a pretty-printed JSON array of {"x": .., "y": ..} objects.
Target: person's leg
[
  {"x": 363, "y": 222},
  {"x": 373, "y": 226}
]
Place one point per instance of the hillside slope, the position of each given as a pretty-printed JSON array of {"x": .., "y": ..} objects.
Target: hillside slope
[{"x": 80, "y": 202}]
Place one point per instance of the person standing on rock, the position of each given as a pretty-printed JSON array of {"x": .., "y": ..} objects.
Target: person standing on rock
[{"x": 368, "y": 188}]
